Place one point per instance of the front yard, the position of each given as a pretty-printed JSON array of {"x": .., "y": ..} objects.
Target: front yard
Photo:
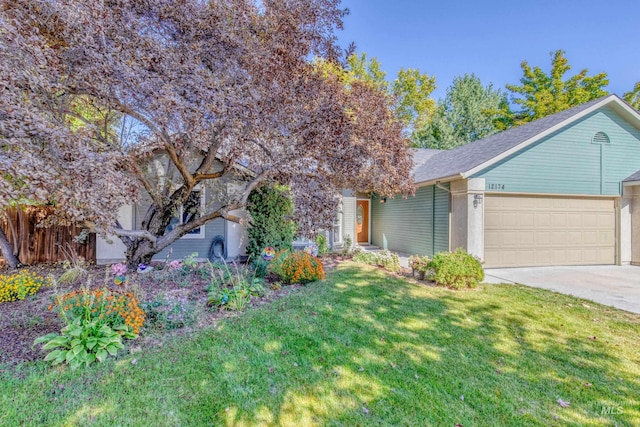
[{"x": 360, "y": 348}]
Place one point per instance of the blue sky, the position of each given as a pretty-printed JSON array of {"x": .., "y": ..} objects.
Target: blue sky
[{"x": 491, "y": 38}]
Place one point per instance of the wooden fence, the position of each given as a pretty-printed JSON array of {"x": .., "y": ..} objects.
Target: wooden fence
[{"x": 43, "y": 244}]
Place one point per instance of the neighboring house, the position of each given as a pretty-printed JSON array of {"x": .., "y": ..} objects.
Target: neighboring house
[{"x": 562, "y": 190}]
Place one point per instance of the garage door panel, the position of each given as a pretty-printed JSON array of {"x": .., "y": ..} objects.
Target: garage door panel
[{"x": 530, "y": 231}]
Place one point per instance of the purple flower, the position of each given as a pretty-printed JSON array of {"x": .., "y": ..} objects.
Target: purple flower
[{"x": 118, "y": 269}]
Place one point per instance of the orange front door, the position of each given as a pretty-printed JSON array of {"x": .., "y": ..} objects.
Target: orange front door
[{"x": 362, "y": 221}]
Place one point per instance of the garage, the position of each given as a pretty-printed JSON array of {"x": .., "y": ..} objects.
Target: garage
[{"x": 545, "y": 230}]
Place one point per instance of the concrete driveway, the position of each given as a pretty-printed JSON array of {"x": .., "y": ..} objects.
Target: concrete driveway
[{"x": 616, "y": 286}]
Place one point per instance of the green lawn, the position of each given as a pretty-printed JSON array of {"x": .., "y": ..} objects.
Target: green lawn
[{"x": 362, "y": 348}]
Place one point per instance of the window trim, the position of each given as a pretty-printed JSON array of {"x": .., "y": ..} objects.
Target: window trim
[
  {"x": 337, "y": 223},
  {"x": 202, "y": 233}
]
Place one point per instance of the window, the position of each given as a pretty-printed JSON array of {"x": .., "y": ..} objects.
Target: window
[
  {"x": 191, "y": 209},
  {"x": 337, "y": 226},
  {"x": 600, "y": 138}
]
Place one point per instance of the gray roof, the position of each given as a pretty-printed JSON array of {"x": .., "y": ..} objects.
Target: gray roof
[
  {"x": 420, "y": 156},
  {"x": 466, "y": 157},
  {"x": 634, "y": 177}
]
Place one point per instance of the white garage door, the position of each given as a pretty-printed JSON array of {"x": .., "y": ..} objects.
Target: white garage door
[{"x": 525, "y": 231}]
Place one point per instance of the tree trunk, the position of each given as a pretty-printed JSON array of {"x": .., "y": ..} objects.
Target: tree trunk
[
  {"x": 140, "y": 250},
  {"x": 7, "y": 251}
]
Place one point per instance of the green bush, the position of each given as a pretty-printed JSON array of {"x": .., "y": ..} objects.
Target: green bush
[
  {"x": 237, "y": 297},
  {"x": 419, "y": 265},
  {"x": 385, "y": 259},
  {"x": 321, "y": 243},
  {"x": 275, "y": 265},
  {"x": 270, "y": 209},
  {"x": 457, "y": 269},
  {"x": 96, "y": 323},
  {"x": 260, "y": 267}
]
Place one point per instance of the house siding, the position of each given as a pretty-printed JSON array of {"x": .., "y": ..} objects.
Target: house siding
[
  {"x": 186, "y": 245},
  {"x": 416, "y": 225},
  {"x": 567, "y": 162},
  {"x": 349, "y": 216}
]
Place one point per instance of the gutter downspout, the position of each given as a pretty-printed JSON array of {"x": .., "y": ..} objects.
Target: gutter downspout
[{"x": 448, "y": 190}]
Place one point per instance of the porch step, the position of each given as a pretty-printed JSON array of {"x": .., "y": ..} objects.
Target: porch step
[{"x": 369, "y": 248}]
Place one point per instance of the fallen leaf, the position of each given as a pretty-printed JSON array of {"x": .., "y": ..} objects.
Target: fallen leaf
[
  {"x": 586, "y": 305},
  {"x": 563, "y": 404}
]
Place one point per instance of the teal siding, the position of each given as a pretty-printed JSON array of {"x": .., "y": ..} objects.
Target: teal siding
[
  {"x": 416, "y": 225},
  {"x": 567, "y": 162}
]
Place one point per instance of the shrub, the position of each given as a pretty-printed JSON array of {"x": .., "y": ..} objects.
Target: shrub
[
  {"x": 96, "y": 322},
  {"x": 260, "y": 267},
  {"x": 237, "y": 297},
  {"x": 298, "y": 267},
  {"x": 457, "y": 269},
  {"x": 419, "y": 265},
  {"x": 385, "y": 259},
  {"x": 270, "y": 208},
  {"x": 169, "y": 313},
  {"x": 111, "y": 307},
  {"x": 346, "y": 250},
  {"x": 83, "y": 341},
  {"x": 321, "y": 243},
  {"x": 275, "y": 265},
  {"x": 20, "y": 285}
]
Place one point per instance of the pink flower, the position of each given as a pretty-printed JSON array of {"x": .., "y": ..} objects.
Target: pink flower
[
  {"x": 174, "y": 265},
  {"x": 118, "y": 269}
]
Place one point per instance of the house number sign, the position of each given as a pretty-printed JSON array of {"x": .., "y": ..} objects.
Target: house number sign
[{"x": 497, "y": 186}]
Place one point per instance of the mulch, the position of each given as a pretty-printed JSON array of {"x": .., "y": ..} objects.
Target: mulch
[{"x": 21, "y": 322}]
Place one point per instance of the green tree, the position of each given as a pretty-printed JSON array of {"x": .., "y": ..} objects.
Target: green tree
[
  {"x": 410, "y": 90},
  {"x": 271, "y": 209},
  {"x": 469, "y": 111},
  {"x": 633, "y": 97},
  {"x": 541, "y": 94}
]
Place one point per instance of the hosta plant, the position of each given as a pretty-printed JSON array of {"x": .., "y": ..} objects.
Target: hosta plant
[{"x": 84, "y": 341}]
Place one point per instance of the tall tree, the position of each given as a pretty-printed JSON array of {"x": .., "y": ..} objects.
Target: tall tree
[
  {"x": 541, "y": 94},
  {"x": 468, "y": 112},
  {"x": 215, "y": 92},
  {"x": 633, "y": 97},
  {"x": 410, "y": 90}
]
